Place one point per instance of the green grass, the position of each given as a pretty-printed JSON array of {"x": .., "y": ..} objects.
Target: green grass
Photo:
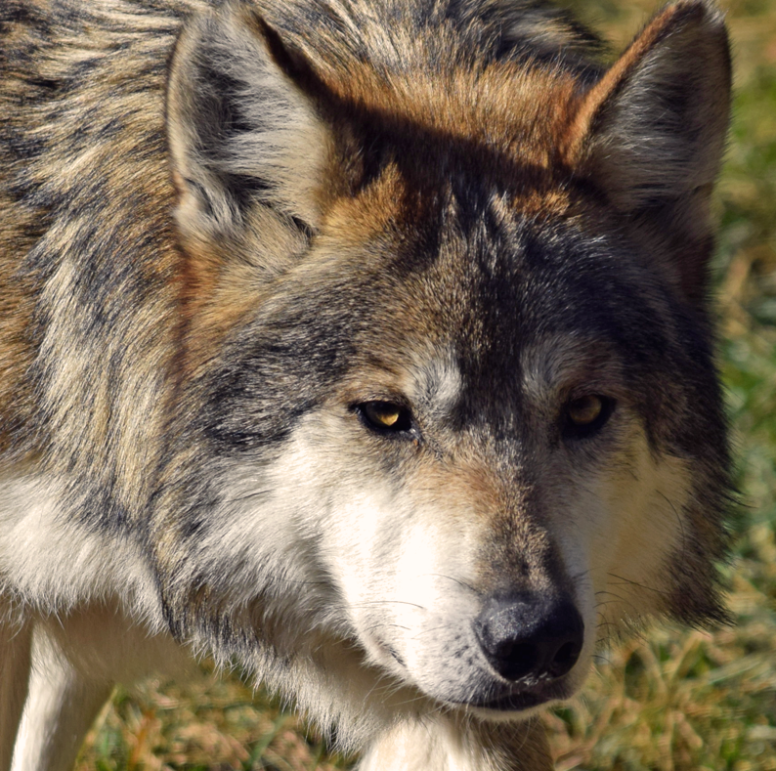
[{"x": 678, "y": 700}]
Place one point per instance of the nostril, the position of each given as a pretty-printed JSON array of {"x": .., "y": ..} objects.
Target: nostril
[
  {"x": 514, "y": 661},
  {"x": 564, "y": 659},
  {"x": 529, "y": 636}
]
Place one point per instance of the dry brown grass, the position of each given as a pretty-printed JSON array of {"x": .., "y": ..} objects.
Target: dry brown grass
[{"x": 215, "y": 723}]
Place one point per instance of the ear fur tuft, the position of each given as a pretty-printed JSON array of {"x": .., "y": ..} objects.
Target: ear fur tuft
[{"x": 245, "y": 140}]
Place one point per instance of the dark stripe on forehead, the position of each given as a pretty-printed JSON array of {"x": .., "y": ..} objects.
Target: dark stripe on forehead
[{"x": 520, "y": 282}]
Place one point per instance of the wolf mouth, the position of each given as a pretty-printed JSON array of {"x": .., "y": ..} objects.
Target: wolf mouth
[
  {"x": 515, "y": 702},
  {"x": 518, "y": 701}
]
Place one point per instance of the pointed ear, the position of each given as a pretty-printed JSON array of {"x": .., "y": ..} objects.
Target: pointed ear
[
  {"x": 651, "y": 133},
  {"x": 246, "y": 142}
]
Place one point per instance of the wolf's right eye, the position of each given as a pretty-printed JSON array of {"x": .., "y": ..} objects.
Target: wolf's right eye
[
  {"x": 586, "y": 416},
  {"x": 385, "y": 417}
]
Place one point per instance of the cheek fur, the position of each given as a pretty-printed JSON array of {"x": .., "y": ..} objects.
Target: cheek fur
[{"x": 627, "y": 524}]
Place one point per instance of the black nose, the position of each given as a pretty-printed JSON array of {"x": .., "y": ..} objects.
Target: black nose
[{"x": 529, "y": 636}]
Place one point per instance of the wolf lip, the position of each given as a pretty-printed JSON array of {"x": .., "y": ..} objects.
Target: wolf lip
[
  {"x": 514, "y": 702},
  {"x": 520, "y": 700}
]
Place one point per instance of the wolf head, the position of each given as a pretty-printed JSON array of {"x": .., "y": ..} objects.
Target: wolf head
[{"x": 451, "y": 412}]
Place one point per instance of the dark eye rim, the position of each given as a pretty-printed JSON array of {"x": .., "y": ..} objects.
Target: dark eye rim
[
  {"x": 404, "y": 427},
  {"x": 574, "y": 431}
]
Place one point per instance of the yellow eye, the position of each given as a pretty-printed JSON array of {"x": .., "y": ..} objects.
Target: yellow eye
[
  {"x": 586, "y": 416},
  {"x": 382, "y": 414},
  {"x": 385, "y": 417},
  {"x": 584, "y": 411}
]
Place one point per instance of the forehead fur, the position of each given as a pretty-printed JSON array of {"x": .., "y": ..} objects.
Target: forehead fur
[
  {"x": 501, "y": 106},
  {"x": 501, "y": 125},
  {"x": 470, "y": 270},
  {"x": 438, "y": 86}
]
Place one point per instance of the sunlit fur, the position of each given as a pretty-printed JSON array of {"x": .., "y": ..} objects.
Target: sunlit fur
[{"x": 225, "y": 231}]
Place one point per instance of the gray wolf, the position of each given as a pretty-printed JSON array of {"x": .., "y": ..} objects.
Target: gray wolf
[{"x": 365, "y": 345}]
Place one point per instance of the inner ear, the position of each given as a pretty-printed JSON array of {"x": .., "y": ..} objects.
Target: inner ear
[{"x": 246, "y": 141}]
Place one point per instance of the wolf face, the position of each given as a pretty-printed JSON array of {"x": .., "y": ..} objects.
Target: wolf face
[
  {"x": 390, "y": 375},
  {"x": 489, "y": 455}
]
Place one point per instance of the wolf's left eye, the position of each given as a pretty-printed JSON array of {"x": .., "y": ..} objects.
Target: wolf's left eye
[
  {"x": 586, "y": 416},
  {"x": 385, "y": 417}
]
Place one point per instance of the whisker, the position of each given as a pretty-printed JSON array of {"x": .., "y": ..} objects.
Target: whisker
[{"x": 631, "y": 582}]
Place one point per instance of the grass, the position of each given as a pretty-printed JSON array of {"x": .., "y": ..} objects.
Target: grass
[
  {"x": 676, "y": 701},
  {"x": 216, "y": 723}
]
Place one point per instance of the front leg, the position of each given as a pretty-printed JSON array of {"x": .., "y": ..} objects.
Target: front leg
[
  {"x": 15, "y": 663},
  {"x": 76, "y": 659},
  {"x": 61, "y": 706},
  {"x": 453, "y": 743}
]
